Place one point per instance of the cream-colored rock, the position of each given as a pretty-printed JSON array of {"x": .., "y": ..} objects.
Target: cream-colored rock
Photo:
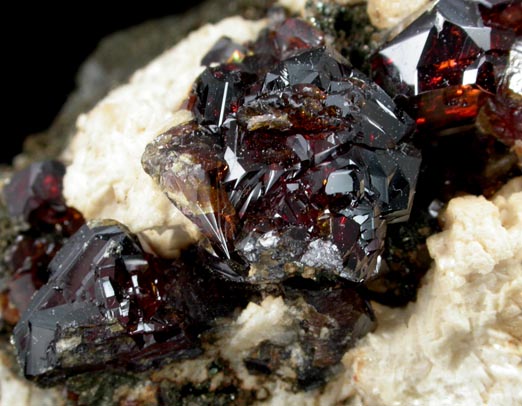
[
  {"x": 461, "y": 342},
  {"x": 14, "y": 391},
  {"x": 388, "y": 13},
  {"x": 104, "y": 176},
  {"x": 294, "y": 6}
]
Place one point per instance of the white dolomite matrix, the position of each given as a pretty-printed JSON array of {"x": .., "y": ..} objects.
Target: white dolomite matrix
[{"x": 387, "y": 14}]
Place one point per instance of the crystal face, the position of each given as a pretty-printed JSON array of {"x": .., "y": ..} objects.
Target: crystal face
[
  {"x": 34, "y": 197},
  {"x": 106, "y": 303},
  {"x": 297, "y": 165},
  {"x": 501, "y": 116},
  {"x": 37, "y": 186},
  {"x": 448, "y": 62}
]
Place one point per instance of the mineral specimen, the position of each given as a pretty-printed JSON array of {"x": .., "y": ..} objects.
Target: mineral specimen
[
  {"x": 292, "y": 167},
  {"x": 449, "y": 60},
  {"x": 293, "y": 164},
  {"x": 106, "y": 304}
]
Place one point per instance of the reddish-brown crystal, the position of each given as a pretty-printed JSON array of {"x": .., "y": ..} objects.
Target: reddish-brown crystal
[
  {"x": 35, "y": 195},
  {"x": 310, "y": 161},
  {"x": 288, "y": 39},
  {"x": 501, "y": 115},
  {"x": 28, "y": 258},
  {"x": 448, "y": 62},
  {"x": 504, "y": 15},
  {"x": 112, "y": 305},
  {"x": 40, "y": 184}
]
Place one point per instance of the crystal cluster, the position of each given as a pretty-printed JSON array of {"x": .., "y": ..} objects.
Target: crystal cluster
[
  {"x": 99, "y": 301},
  {"x": 93, "y": 298},
  {"x": 294, "y": 163},
  {"x": 453, "y": 51},
  {"x": 446, "y": 64},
  {"x": 107, "y": 303}
]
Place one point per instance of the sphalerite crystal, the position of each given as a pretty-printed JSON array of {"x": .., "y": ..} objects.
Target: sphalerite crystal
[
  {"x": 107, "y": 304},
  {"x": 448, "y": 62},
  {"x": 501, "y": 116},
  {"x": 292, "y": 169},
  {"x": 33, "y": 198},
  {"x": 293, "y": 165}
]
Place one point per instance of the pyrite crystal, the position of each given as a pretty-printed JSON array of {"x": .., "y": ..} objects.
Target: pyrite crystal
[
  {"x": 448, "y": 62},
  {"x": 293, "y": 165}
]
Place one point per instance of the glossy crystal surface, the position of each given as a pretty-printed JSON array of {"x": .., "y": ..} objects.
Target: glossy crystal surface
[
  {"x": 106, "y": 303},
  {"x": 501, "y": 116},
  {"x": 445, "y": 65},
  {"x": 300, "y": 164}
]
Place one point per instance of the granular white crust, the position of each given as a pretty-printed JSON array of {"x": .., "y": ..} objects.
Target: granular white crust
[{"x": 389, "y": 13}]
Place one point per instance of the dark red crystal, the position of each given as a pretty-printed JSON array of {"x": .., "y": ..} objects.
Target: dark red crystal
[
  {"x": 106, "y": 304},
  {"x": 39, "y": 185},
  {"x": 287, "y": 39},
  {"x": 502, "y": 14},
  {"x": 34, "y": 195},
  {"x": 449, "y": 61},
  {"x": 301, "y": 164},
  {"x": 28, "y": 258},
  {"x": 224, "y": 51},
  {"x": 501, "y": 116}
]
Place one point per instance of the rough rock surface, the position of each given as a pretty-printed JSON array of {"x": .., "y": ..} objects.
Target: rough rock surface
[{"x": 387, "y": 14}]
